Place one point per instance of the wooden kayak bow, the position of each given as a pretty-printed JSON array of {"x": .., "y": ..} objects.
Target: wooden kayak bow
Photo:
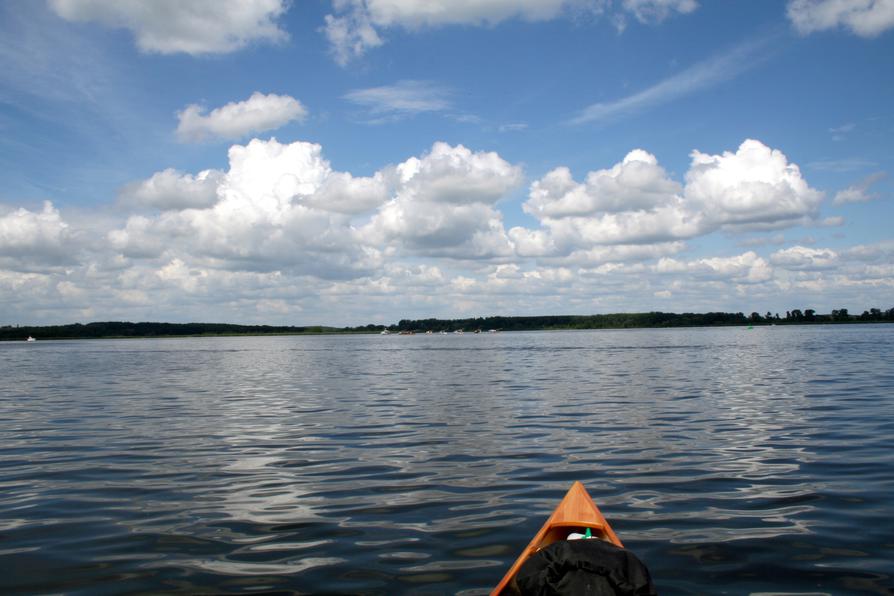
[{"x": 575, "y": 513}]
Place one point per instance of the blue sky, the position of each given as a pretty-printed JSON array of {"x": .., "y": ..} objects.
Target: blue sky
[{"x": 364, "y": 161}]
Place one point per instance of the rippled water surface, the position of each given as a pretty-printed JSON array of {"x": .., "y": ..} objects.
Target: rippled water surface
[{"x": 730, "y": 460}]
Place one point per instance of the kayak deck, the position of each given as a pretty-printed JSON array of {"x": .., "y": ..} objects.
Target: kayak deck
[{"x": 575, "y": 513}]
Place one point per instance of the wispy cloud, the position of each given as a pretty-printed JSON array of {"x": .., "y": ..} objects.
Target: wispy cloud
[
  {"x": 850, "y": 126},
  {"x": 63, "y": 94},
  {"x": 859, "y": 192},
  {"x": 513, "y": 127},
  {"x": 403, "y": 99},
  {"x": 702, "y": 75},
  {"x": 835, "y": 221},
  {"x": 842, "y": 165},
  {"x": 762, "y": 241},
  {"x": 839, "y": 133}
]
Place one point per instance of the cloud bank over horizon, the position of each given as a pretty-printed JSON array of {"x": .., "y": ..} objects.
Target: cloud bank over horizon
[{"x": 283, "y": 236}]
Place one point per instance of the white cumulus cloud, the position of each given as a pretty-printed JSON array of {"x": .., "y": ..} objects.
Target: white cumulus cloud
[
  {"x": 866, "y": 18},
  {"x": 747, "y": 268},
  {"x": 663, "y": 224},
  {"x": 192, "y": 27},
  {"x": 260, "y": 220},
  {"x": 638, "y": 182},
  {"x": 457, "y": 231},
  {"x": 802, "y": 258},
  {"x": 754, "y": 187},
  {"x": 235, "y": 120},
  {"x": 341, "y": 192},
  {"x": 457, "y": 175},
  {"x": 881, "y": 251},
  {"x": 635, "y": 202},
  {"x": 35, "y": 238},
  {"x": 171, "y": 189},
  {"x": 443, "y": 204},
  {"x": 282, "y": 206},
  {"x": 620, "y": 253},
  {"x": 351, "y": 34}
]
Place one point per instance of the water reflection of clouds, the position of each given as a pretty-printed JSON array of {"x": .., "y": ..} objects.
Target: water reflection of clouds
[
  {"x": 426, "y": 458},
  {"x": 227, "y": 567}
]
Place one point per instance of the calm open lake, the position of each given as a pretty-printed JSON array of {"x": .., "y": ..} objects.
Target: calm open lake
[{"x": 730, "y": 460}]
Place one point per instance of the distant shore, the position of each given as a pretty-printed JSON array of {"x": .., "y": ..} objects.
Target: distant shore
[{"x": 122, "y": 329}]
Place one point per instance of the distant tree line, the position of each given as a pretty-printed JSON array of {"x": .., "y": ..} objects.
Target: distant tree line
[
  {"x": 609, "y": 321},
  {"x": 127, "y": 329},
  {"x": 840, "y": 315},
  {"x": 556, "y": 322},
  {"x": 638, "y": 320}
]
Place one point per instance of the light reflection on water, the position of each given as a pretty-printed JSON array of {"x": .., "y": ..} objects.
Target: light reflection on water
[{"x": 727, "y": 459}]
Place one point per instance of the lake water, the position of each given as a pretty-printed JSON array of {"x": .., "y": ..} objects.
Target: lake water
[{"x": 730, "y": 460}]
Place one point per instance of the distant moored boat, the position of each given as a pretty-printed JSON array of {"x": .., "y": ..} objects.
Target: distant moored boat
[{"x": 30, "y": 339}]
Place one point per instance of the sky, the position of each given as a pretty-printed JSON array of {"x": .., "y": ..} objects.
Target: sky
[{"x": 348, "y": 162}]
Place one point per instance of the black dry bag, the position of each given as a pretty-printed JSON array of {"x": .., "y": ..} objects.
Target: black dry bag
[{"x": 584, "y": 567}]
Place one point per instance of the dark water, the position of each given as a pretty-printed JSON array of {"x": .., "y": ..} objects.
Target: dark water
[{"x": 731, "y": 460}]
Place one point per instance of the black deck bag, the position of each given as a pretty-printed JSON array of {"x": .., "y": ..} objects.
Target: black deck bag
[{"x": 584, "y": 567}]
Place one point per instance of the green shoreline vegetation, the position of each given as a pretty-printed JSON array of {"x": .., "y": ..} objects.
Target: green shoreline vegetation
[{"x": 118, "y": 329}]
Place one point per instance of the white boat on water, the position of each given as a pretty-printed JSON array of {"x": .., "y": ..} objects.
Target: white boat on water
[
  {"x": 30, "y": 339},
  {"x": 385, "y": 332}
]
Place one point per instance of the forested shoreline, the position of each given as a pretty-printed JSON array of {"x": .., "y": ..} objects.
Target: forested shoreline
[{"x": 123, "y": 329}]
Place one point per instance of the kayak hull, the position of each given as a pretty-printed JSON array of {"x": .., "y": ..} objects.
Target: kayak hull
[{"x": 576, "y": 513}]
